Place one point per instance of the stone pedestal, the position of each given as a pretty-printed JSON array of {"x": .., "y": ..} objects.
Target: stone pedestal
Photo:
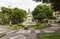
[{"x": 29, "y": 19}]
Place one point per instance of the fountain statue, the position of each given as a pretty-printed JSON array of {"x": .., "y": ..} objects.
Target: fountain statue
[{"x": 29, "y": 17}]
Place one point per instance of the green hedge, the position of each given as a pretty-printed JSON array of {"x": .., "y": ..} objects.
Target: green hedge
[
  {"x": 38, "y": 25},
  {"x": 17, "y": 26}
]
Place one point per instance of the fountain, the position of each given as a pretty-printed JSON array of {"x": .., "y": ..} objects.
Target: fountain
[{"x": 28, "y": 20}]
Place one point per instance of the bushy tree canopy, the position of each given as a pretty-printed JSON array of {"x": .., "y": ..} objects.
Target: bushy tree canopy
[
  {"x": 42, "y": 11},
  {"x": 15, "y": 15},
  {"x": 55, "y": 3}
]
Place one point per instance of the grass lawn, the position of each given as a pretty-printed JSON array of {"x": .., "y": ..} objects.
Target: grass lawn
[
  {"x": 49, "y": 36},
  {"x": 1, "y": 35},
  {"x": 38, "y": 25},
  {"x": 17, "y": 26}
]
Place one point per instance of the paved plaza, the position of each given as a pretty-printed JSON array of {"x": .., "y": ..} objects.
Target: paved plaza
[{"x": 26, "y": 34}]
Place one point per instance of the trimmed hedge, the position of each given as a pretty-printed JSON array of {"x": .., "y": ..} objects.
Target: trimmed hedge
[
  {"x": 38, "y": 25},
  {"x": 17, "y": 26}
]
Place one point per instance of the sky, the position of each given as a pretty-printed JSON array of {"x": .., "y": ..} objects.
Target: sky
[{"x": 23, "y": 4}]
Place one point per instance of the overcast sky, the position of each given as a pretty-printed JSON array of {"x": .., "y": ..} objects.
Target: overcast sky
[{"x": 23, "y": 4}]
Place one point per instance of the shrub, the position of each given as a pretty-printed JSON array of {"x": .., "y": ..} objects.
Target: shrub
[
  {"x": 17, "y": 26},
  {"x": 38, "y": 25}
]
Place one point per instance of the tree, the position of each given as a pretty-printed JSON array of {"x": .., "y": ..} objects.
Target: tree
[
  {"x": 18, "y": 15},
  {"x": 41, "y": 0},
  {"x": 5, "y": 13},
  {"x": 14, "y": 15},
  {"x": 54, "y": 3},
  {"x": 42, "y": 12},
  {"x": 1, "y": 15}
]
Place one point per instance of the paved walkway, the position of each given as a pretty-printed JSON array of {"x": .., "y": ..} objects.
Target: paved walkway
[
  {"x": 26, "y": 34},
  {"x": 3, "y": 29},
  {"x": 16, "y": 34}
]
